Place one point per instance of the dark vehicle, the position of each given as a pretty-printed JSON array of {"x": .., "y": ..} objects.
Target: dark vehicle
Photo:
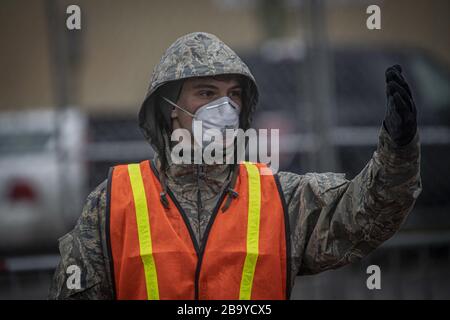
[{"x": 359, "y": 95}]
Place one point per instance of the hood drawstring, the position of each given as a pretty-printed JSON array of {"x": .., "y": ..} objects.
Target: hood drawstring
[
  {"x": 232, "y": 194},
  {"x": 163, "y": 194},
  {"x": 162, "y": 179}
]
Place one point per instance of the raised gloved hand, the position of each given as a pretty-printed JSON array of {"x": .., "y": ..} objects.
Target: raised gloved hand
[{"x": 400, "y": 120}]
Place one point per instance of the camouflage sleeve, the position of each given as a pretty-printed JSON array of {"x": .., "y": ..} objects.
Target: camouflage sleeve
[
  {"x": 84, "y": 247},
  {"x": 334, "y": 221}
]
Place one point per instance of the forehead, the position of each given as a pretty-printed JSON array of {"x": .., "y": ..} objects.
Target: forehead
[{"x": 217, "y": 81}]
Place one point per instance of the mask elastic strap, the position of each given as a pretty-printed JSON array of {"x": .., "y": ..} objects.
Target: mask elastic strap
[{"x": 176, "y": 106}]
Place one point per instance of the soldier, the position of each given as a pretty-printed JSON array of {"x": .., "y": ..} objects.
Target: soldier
[{"x": 160, "y": 230}]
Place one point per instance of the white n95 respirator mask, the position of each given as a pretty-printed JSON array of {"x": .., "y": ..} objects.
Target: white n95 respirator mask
[{"x": 220, "y": 114}]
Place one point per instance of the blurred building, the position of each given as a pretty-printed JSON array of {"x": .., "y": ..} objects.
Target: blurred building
[{"x": 120, "y": 41}]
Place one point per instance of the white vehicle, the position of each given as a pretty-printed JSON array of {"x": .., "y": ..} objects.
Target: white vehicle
[{"x": 43, "y": 174}]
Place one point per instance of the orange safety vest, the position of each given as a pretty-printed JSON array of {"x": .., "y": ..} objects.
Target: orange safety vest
[{"x": 155, "y": 255}]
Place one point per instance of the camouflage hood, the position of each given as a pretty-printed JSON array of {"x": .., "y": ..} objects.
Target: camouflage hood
[{"x": 196, "y": 54}]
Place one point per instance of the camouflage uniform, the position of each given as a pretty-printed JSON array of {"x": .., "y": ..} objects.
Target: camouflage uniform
[{"x": 333, "y": 221}]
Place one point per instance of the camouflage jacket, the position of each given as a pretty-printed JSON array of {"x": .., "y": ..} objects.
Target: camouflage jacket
[{"x": 333, "y": 221}]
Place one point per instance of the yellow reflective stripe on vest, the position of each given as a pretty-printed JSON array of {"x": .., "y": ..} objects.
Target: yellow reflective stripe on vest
[
  {"x": 254, "y": 206},
  {"x": 143, "y": 226}
]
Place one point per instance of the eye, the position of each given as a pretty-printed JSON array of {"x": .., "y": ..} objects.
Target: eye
[
  {"x": 206, "y": 93},
  {"x": 236, "y": 94}
]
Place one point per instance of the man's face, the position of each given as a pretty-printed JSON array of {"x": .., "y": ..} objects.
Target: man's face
[{"x": 197, "y": 92}]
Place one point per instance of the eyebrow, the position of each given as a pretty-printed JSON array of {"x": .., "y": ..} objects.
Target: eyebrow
[{"x": 211, "y": 86}]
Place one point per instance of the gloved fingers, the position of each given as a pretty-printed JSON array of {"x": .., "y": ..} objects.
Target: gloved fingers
[
  {"x": 395, "y": 67},
  {"x": 400, "y": 106},
  {"x": 393, "y": 117},
  {"x": 392, "y": 75},
  {"x": 393, "y": 87},
  {"x": 403, "y": 111},
  {"x": 400, "y": 119},
  {"x": 394, "y": 70}
]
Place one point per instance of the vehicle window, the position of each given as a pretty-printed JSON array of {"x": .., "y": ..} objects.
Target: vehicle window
[
  {"x": 20, "y": 143},
  {"x": 360, "y": 85},
  {"x": 434, "y": 84}
]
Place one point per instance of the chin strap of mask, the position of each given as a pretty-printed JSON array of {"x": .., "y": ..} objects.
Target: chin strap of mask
[{"x": 231, "y": 193}]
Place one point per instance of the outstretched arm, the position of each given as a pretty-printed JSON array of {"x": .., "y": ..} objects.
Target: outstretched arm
[{"x": 335, "y": 221}]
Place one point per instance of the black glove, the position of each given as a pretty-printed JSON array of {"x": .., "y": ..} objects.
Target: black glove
[{"x": 400, "y": 119}]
